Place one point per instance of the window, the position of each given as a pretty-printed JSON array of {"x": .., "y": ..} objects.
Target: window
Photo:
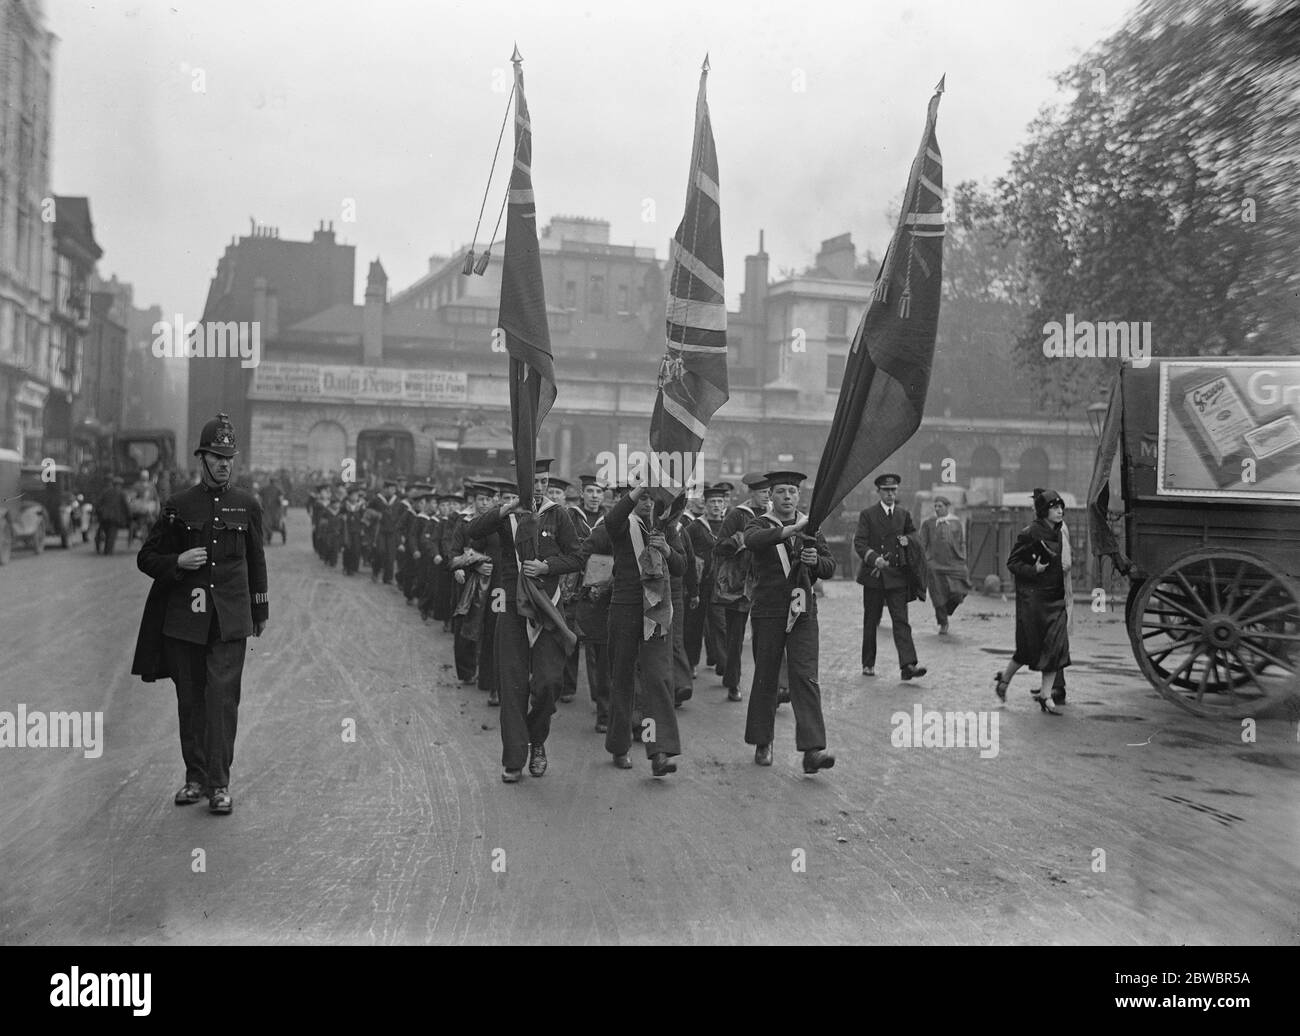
[
  {"x": 835, "y": 365},
  {"x": 570, "y": 294},
  {"x": 622, "y": 298},
  {"x": 986, "y": 462},
  {"x": 837, "y": 320},
  {"x": 596, "y": 294},
  {"x": 733, "y": 459}
]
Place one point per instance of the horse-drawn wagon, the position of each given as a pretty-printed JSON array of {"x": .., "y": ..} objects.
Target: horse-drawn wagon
[{"x": 1206, "y": 454}]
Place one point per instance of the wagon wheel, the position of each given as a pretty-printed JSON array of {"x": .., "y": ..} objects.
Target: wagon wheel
[{"x": 1205, "y": 630}]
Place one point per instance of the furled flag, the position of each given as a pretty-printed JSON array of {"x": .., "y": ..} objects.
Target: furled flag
[
  {"x": 523, "y": 303},
  {"x": 693, "y": 375},
  {"x": 888, "y": 369},
  {"x": 532, "y": 366}
]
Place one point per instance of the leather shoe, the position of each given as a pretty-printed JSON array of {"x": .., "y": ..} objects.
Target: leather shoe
[
  {"x": 868, "y": 670},
  {"x": 623, "y": 762},
  {"x": 511, "y": 776},
  {"x": 783, "y": 696},
  {"x": 601, "y": 726},
  {"x": 733, "y": 694},
  {"x": 660, "y": 765},
  {"x": 566, "y": 698},
  {"x": 537, "y": 760},
  {"x": 190, "y": 794},
  {"x": 494, "y": 698},
  {"x": 763, "y": 755},
  {"x": 911, "y": 672},
  {"x": 817, "y": 760},
  {"x": 219, "y": 801}
]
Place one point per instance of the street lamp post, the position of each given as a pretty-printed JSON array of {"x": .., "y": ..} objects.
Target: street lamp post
[{"x": 1097, "y": 416}]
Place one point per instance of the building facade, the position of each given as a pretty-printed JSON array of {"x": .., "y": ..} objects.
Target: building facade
[
  {"x": 27, "y": 212},
  {"x": 75, "y": 255},
  {"x": 416, "y": 382}
]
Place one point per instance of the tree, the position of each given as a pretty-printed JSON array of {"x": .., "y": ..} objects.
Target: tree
[{"x": 1165, "y": 190}]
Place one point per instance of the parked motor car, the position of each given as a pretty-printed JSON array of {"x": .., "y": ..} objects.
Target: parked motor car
[
  {"x": 11, "y": 463},
  {"x": 52, "y": 486},
  {"x": 23, "y": 518}
]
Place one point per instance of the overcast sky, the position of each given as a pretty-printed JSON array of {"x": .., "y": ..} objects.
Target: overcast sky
[{"x": 394, "y": 105}]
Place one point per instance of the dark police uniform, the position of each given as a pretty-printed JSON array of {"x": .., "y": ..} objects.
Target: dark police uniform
[{"x": 205, "y": 615}]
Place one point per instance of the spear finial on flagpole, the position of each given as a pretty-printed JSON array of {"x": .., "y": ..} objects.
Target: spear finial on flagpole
[
  {"x": 705, "y": 67},
  {"x": 939, "y": 89},
  {"x": 516, "y": 57}
]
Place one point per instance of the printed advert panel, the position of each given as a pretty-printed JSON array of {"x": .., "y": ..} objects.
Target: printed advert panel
[{"x": 1230, "y": 429}]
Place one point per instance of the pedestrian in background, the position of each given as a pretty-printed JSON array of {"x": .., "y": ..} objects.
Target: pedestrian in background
[
  {"x": 945, "y": 554},
  {"x": 114, "y": 511},
  {"x": 1040, "y": 562}
]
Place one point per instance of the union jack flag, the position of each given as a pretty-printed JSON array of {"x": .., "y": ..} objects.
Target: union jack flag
[
  {"x": 523, "y": 302},
  {"x": 693, "y": 375}
]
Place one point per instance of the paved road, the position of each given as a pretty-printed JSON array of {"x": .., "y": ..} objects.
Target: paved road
[{"x": 392, "y": 838}]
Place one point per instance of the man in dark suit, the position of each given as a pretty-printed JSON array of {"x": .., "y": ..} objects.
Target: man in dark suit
[
  {"x": 881, "y": 542},
  {"x": 206, "y": 557}
]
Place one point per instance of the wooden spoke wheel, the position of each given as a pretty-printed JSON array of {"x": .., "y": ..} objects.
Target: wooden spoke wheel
[{"x": 1217, "y": 633}]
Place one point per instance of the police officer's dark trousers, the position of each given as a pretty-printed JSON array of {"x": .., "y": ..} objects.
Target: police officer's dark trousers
[
  {"x": 207, "y": 697},
  {"x": 799, "y": 647}
]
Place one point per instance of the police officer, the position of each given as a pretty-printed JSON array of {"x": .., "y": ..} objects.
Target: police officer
[
  {"x": 784, "y": 618},
  {"x": 205, "y": 555}
]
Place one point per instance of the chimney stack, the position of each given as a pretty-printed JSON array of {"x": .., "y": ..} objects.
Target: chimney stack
[
  {"x": 753, "y": 299},
  {"x": 372, "y": 321}
]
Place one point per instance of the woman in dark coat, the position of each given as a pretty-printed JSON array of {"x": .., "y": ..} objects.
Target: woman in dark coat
[{"x": 1040, "y": 561}]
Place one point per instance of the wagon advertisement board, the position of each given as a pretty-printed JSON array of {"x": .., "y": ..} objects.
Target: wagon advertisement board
[{"x": 1229, "y": 429}]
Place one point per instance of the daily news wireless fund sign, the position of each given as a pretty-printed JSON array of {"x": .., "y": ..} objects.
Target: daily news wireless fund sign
[{"x": 308, "y": 383}]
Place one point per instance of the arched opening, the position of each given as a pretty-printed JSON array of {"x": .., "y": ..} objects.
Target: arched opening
[
  {"x": 327, "y": 445},
  {"x": 1035, "y": 470},
  {"x": 985, "y": 476},
  {"x": 986, "y": 462},
  {"x": 930, "y": 470}
]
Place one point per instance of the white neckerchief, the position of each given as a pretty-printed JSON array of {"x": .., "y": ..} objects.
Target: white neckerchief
[{"x": 782, "y": 551}]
